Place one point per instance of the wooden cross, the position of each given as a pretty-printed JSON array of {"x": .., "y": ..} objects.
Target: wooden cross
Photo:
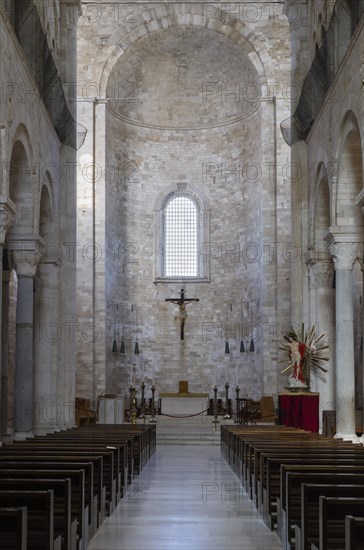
[{"x": 182, "y": 302}]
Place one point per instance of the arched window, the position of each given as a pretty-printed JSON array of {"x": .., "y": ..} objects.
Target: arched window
[
  {"x": 181, "y": 237},
  {"x": 183, "y": 227}
]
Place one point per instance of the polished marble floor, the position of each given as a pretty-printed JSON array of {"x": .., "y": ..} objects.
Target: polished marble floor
[{"x": 186, "y": 498}]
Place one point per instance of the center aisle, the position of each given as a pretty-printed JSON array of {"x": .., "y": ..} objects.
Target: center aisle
[{"x": 187, "y": 498}]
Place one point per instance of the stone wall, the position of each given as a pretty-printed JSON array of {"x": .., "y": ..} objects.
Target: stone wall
[
  {"x": 38, "y": 224},
  {"x": 195, "y": 99}
]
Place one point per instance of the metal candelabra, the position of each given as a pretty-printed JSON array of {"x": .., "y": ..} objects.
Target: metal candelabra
[
  {"x": 226, "y": 415},
  {"x": 153, "y": 418},
  {"x": 237, "y": 390},
  {"x": 215, "y": 420},
  {"x": 142, "y": 402},
  {"x": 133, "y": 408}
]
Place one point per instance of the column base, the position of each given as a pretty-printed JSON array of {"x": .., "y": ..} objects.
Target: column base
[
  {"x": 22, "y": 436},
  {"x": 70, "y": 425},
  {"x": 347, "y": 437},
  {"x": 43, "y": 430},
  {"x": 61, "y": 428}
]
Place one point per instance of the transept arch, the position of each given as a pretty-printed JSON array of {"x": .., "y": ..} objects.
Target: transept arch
[{"x": 237, "y": 31}]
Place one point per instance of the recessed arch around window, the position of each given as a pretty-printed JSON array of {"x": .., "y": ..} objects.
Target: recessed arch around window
[{"x": 181, "y": 236}]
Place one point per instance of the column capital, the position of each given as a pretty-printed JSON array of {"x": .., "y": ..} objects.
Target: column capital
[
  {"x": 344, "y": 248},
  {"x": 71, "y": 10},
  {"x": 7, "y": 215},
  {"x": 26, "y": 253},
  {"x": 321, "y": 268},
  {"x": 48, "y": 273}
]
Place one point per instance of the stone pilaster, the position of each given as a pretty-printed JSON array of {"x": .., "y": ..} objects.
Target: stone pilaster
[
  {"x": 344, "y": 249},
  {"x": 66, "y": 369},
  {"x": 48, "y": 334}
]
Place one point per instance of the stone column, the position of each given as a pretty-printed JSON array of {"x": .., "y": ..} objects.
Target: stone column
[
  {"x": 25, "y": 256},
  {"x": 7, "y": 211},
  {"x": 4, "y": 353},
  {"x": 360, "y": 202},
  {"x": 322, "y": 271},
  {"x": 344, "y": 250},
  {"x": 47, "y": 337}
]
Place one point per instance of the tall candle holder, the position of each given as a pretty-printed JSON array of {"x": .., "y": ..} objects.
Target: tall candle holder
[
  {"x": 133, "y": 408},
  {"x": 237, "y": 390},
  {"x": 153, "y": 419},
  {"x": 142, "y": 402},
  {"x": 215, "y": 420},
  {"x": 227, "y": 415}
]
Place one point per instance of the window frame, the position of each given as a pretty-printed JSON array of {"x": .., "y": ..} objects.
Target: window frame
[{"x": 203, "y": 264}]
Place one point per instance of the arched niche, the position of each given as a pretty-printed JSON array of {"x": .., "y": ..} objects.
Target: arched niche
[
  {"x": 321, "y": 218},
  {"x": 349, "y": 216},
  {"x": 21, "y": 190}
]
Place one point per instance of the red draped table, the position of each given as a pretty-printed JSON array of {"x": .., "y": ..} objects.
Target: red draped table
[{"x": 299, "y": 409}]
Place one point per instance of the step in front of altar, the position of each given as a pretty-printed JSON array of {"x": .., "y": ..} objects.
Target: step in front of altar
[{"x": 186, "y": 431}]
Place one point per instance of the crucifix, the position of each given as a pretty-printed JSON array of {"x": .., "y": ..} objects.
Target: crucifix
[{"x": 182, "y": 302}]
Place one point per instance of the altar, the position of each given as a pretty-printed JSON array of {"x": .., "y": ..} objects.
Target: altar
[
  {"x": 299, "y": 410},
  {"x": 184, "y": 403}
]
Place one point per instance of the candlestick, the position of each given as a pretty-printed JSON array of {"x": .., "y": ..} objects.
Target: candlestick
[
  {"x": 215, "y": 374},
  {"x": 226, "y": 372},
  {"x": 143, "y": 369},
  {"x": 131, "y": 375},
  {"x": 237, "y": 375},
  {"x": 226, "y": 415},
  {"x": 153, "y": 374},
  {"x": 153, "y": 419}
]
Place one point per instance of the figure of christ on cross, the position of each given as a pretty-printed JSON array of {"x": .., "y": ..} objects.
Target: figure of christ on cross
[{"x": 182, "y": 302}]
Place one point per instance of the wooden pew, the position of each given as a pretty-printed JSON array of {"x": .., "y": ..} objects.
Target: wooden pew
[
  {"x": 307, "y": 529},
  {"x": 53, "y": 448},
  {"x": 40, "y": 532},
  {"x": 50, "y": 447},
  {"x": 332, "y": 512},
  {"x": 93, "y": 479},
  {"x": 288, "y": 452},
  {"x": 272, "y": 483},
  {"x": 354, "y": 533},
  {"x": 61, "y": 504},
  {"x": 259, "y": 455},
  {"x": 78, "y": 537},
  {"x": 13, "y": 528},
  {"x": 106, "y": 455},
  {"x": 291, "y": 490},
  {"x": 303, "y": 448},
  {"x": 119, "y": 445}
]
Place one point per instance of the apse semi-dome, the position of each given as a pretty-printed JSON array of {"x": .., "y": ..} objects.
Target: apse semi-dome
[{"x": 184, "y": 78}]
